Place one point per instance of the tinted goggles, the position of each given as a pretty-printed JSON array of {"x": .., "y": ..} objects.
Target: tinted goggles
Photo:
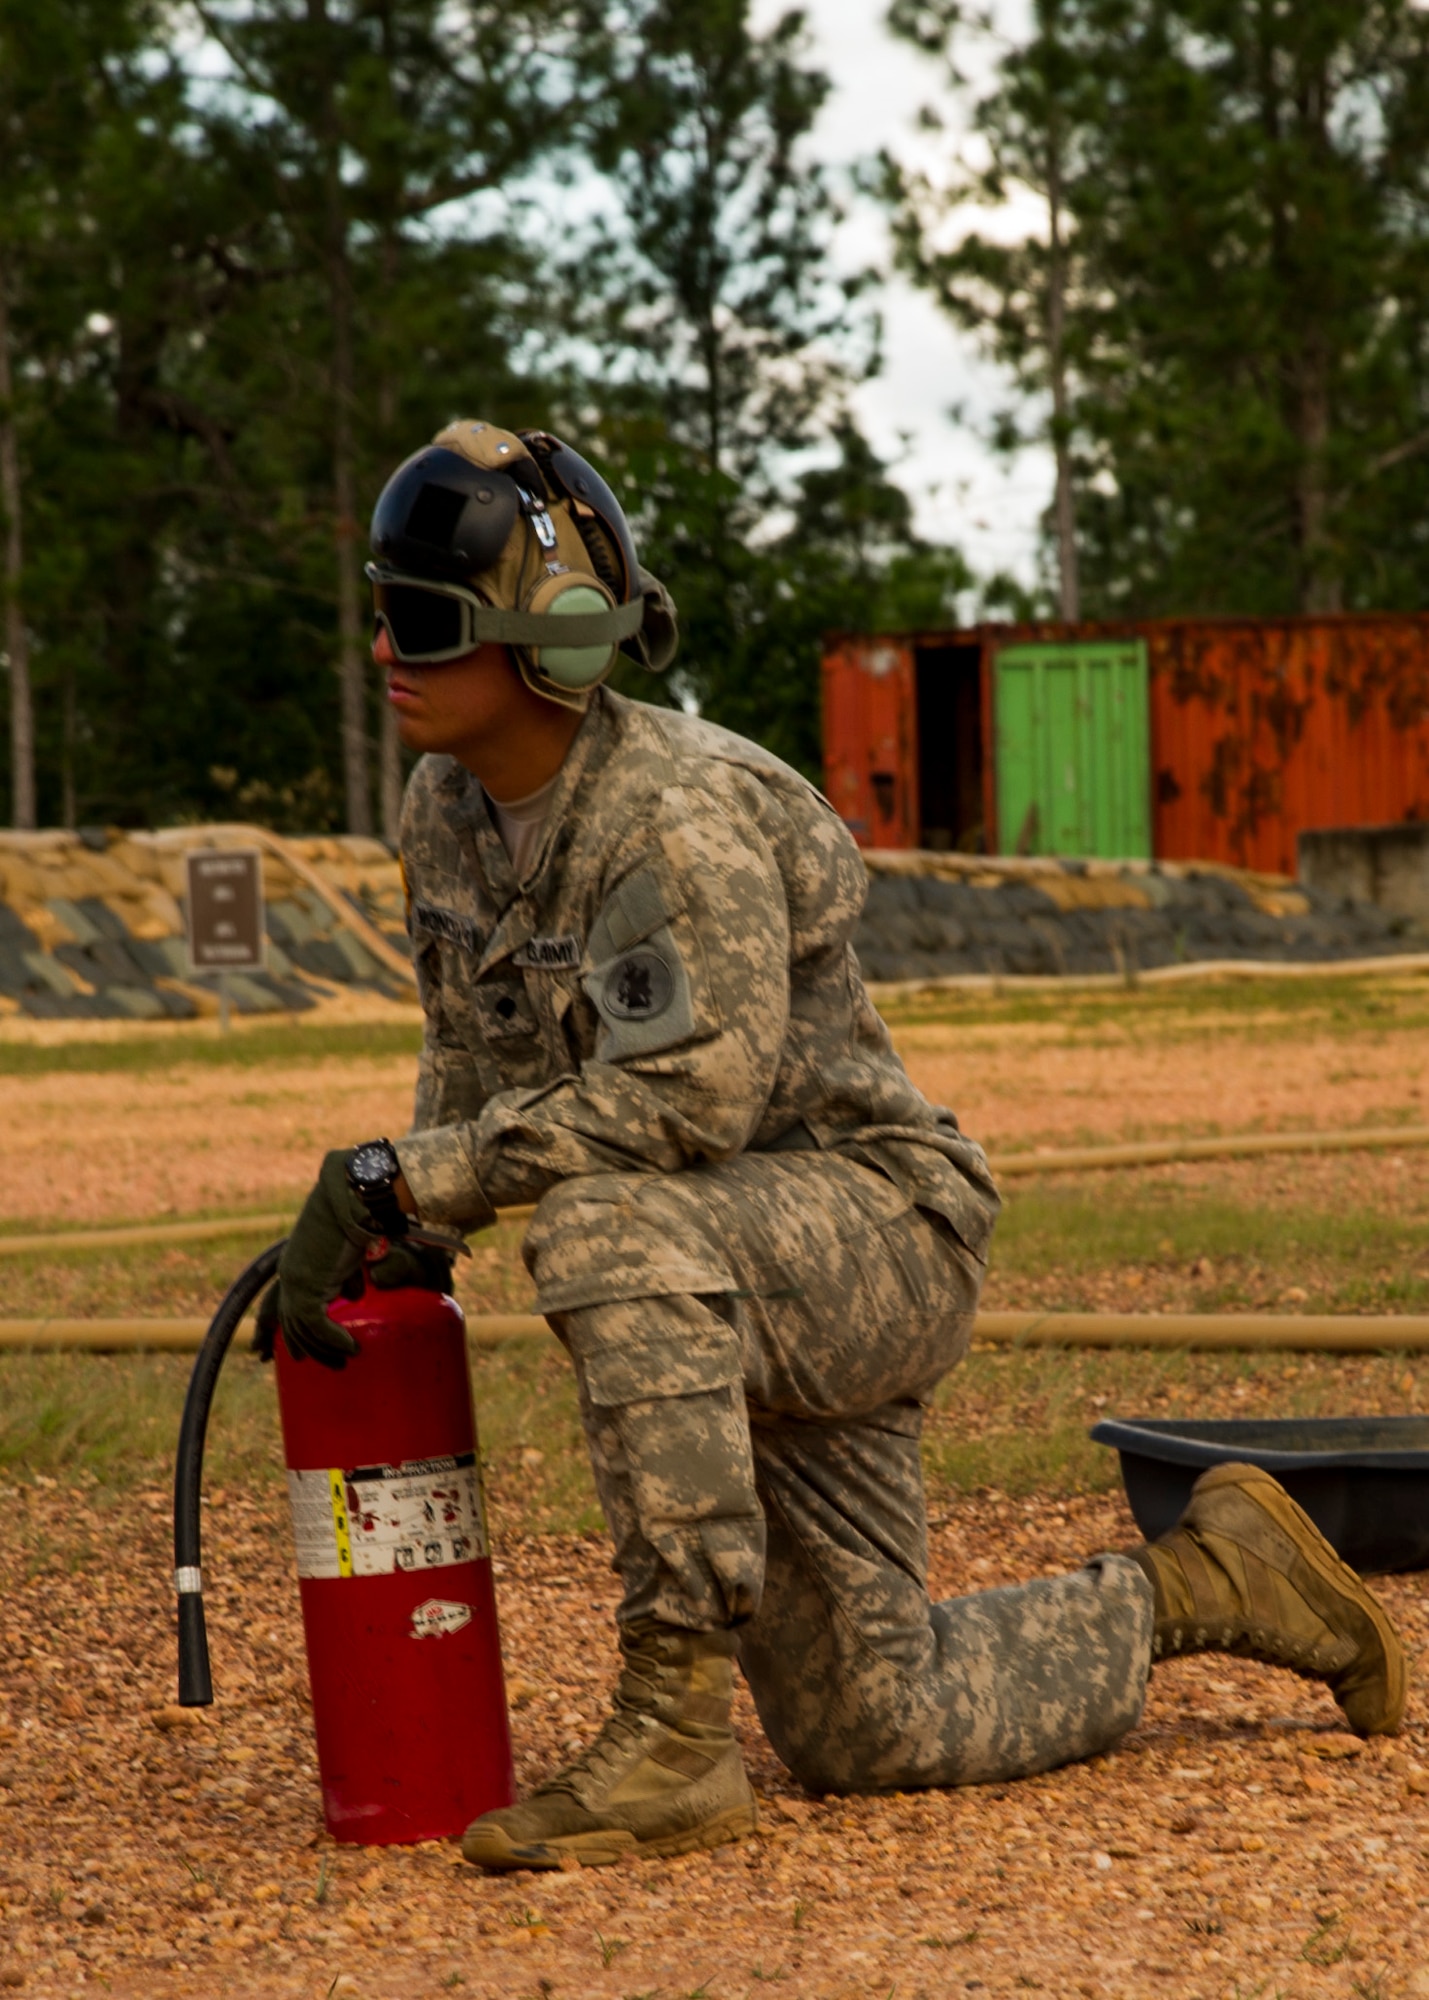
[
  {"x": 428, "y": 622},
  {"x": 425, "y": 622}
]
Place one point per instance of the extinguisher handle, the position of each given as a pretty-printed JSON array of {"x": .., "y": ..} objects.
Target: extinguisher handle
[{"x": 195, "y": 1679}]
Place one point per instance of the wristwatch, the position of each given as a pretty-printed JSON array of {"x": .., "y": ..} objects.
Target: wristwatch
[{"x": 372, "y": 1171}]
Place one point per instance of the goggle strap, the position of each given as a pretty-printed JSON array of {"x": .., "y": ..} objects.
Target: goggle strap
[{"x": 547, "y": 628}]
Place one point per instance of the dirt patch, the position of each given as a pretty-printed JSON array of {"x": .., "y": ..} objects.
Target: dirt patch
[
  {"x": 100, "y": 1147},
  {"x": 1237, "y": 1842},
  {"x": 1036, "y": 1084},
  {"x": 89, "y": 1148}
]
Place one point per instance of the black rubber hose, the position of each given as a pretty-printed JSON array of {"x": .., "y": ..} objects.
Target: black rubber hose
[{"x": 195, "y": 1680}]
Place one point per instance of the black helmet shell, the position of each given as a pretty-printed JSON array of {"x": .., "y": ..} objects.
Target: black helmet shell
[
  {"x": 576, "y": 480},
  {"x": 441, "y": 516}
]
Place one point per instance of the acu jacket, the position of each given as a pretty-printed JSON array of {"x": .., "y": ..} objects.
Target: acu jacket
[{"x": 671, "y": 985}]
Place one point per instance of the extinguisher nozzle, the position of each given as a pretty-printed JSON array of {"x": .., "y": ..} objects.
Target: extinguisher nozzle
[{"x": 195, "y": 1680}]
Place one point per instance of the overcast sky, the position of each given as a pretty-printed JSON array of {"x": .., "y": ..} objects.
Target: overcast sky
[{"x": 961, "y": 492}]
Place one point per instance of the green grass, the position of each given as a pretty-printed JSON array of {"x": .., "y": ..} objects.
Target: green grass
[
  {"x": 248, "y": 1047},
  {"x": 117, "y": 1417},
  {"x": 142, "y": 1281},
  {"x": 1332, "y": 1004},
  {"x": 1348, "y": 1259},
  {"x": 187, "y": 1279},
  {"x": 1016, "y": 1421}
]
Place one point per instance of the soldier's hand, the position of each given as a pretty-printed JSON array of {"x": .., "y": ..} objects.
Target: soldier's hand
[
  {"x": 321, "y": 1257},
  {"x": 413, "y": 1262},
  {"x": 424, "y": 1258}
]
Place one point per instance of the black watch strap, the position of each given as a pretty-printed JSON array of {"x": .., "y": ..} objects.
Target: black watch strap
[{"x": 372, "y": 1171}]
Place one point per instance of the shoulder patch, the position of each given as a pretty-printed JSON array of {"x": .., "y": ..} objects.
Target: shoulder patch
[
  {"x": 639, "y": 986},
  {"x": 644, "y": 999},
  {"x": 636, "y": 908}
]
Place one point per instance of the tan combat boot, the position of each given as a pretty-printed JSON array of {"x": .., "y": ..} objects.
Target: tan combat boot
[
  {"x": 663, "y": 1776},
  {"x": 1246, "y": 1571}
]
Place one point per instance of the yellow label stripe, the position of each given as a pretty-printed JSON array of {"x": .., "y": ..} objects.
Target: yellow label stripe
[{"x": 337, "y": 1486}]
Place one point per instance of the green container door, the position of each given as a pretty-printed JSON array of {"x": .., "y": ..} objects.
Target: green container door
[{"x": 1073, "y": 750}]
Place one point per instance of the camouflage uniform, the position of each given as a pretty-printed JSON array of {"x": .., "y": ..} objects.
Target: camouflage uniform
[{"x": 761, "y": 1246}]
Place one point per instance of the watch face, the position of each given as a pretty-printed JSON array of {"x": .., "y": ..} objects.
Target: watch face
[{"x": 374, "y": 1165}]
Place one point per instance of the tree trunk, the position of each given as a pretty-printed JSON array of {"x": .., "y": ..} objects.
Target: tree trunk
[
  {"x": 351, "y": 661},
  {"x": 389, "y": 765},
  {"x": 1069, "y": 593},
  {"x": 69, "y": 734},
  {"x": 1298, "y": 112},
  {"x": 22, "y": 711},
  {"x": 1321, "y": 586},
  {"x": 351, "y": 652}
]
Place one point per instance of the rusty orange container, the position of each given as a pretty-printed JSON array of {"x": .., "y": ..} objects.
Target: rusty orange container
[
  {"x": 871, "y": 740},
  {"x": 1260, "y": 729},
  {"x": 905, "y": 724},
  {"x": 1265, "y": 728}
]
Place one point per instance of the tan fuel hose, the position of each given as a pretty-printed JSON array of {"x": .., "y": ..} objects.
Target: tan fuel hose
[
  {"x": 1139, "y": 1153},
  {"x": 183, "y": 1336},
  {"x": 174, "y": 1232},
  {"x": 147, "y": 1232},
  {"x": 1155, "y": 1152},
  {"x": 998, "y": 985},
  {"x": 1309, "y": 1333}
]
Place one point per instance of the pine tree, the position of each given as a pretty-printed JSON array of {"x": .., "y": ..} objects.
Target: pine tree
[
  {"x": 730, "y": 344},
  {"x": 383, "y": 114},
  {"x": 47, "y": 60},
  {"x": 1255, "y": 205},
  {"x": 1244, "y": 290},
  {"x": 1022, "y": 297}
]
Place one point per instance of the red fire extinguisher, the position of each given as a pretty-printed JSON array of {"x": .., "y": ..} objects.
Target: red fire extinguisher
[{"x": 394, "y": 1569}]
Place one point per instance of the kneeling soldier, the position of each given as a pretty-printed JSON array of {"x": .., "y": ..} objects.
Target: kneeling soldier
[{"x": 760, "y": 1245}]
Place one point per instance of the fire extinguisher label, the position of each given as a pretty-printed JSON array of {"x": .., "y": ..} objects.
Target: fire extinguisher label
[
  {"x": 370, "y": 1520},
  {"x": 437, "y": 1617}
]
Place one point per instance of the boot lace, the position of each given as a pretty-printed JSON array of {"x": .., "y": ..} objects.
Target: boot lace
[{"x": 635, "y": 1705}]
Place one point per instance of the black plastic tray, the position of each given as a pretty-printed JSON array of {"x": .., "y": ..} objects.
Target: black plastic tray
[{"x": 1364, "y": 1481}]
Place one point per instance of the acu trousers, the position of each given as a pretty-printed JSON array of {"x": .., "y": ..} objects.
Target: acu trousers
[{"x": 755, "y": 1343}]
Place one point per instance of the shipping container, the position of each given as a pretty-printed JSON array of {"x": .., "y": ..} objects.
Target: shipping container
[
  {"x": 905, "y": 721},
  {"x": 1186, "y": 739},
  {"x": 1070, "y": 757}
]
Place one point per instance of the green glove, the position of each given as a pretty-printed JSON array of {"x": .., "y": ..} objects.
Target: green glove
[
  {"x": 335, "y": 1226},
  {"x": 414, "y": 1261},
  {"x": 322, "y": 1256}
]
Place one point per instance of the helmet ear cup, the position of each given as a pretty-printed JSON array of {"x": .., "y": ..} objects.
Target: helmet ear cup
[{"x": 574, "y": 668}]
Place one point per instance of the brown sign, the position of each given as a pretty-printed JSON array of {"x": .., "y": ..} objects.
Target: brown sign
[{"x": 225, "y": 909}]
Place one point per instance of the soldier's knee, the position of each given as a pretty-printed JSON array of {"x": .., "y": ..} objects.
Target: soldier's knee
[
  {"x": 823, "y": 1765},
  {"x": 602, "y": 1237},
  {"x": 803, "y": 1730},
  {"x": 572, "y": 1222}
]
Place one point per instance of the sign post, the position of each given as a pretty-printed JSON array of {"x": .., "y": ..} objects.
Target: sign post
[{"x": 225, "y": 915}]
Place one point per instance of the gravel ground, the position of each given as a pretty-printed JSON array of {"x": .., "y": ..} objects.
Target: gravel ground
[{"x": 1238, "y": 1844}]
